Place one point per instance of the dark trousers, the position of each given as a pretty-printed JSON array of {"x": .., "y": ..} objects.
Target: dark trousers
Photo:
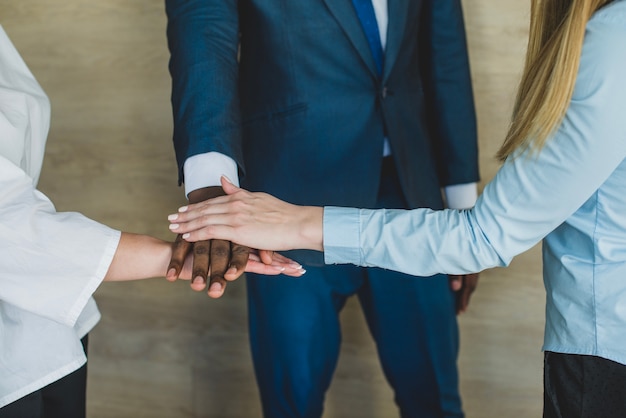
[
  {"x": 65, "y": 398},
  {"x": 580, "y": 386},
  {"x": 295, "y": 333}
]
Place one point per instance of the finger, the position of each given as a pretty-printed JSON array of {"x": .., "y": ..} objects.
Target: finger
[
  {"x": 219, "y": 259},
  {"x": 456, "y": 283},
  {"x": 279, "y": 258},
  {"x": 200, "y": 230},
  {"x": 463, "y": 300},
  {"x": 180, "y": 250},
  {"x": 216, "y": 288},
  {"x": 280, "y": 265},
  {"x": 472, "y": 281},
  {"x": 469, "y": 286},
  {"x": 294, "y": 272},
  {"x": 238, "y": 260},
  {"x": 267, "y": 256},
  {"x": 200, "y": 265},
  {"x": 228, "y": 186},
  {"x": 215, "y": 206},
  {"x": 256, "y": 266}
]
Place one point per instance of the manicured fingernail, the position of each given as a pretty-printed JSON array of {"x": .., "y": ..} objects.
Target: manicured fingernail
[
  {"x": 183, "y": 208},
  {"x": 295, "y": 265},
  {"x": 227, "y": 179},
  {"x": 174, "y": 226},
  {"x": 185, "y": 236},
  {"x": 278, "y": 268},
  {"x": 172, "y": 217}
]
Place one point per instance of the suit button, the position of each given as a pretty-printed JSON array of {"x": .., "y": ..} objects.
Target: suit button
[{"x": 385, "y": 92}]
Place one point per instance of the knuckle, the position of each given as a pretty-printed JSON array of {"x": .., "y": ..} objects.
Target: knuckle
[
  {"x": 240, "y": 250},
  {"x": 239, "y": 204},
  {"x": 220, "y": 251},
  {"x": 200, "y": 249}
]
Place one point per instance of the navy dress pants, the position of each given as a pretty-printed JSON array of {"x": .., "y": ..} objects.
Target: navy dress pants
[{"x": 295, "y": 333}]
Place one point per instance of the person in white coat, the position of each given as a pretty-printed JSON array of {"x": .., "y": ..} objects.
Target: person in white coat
[{"x": 51, "y": 263}]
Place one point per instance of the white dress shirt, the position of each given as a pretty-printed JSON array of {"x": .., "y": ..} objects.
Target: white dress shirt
[
  {"x": 50, "y": 262},
  {"x": 571, "y": 195},
  {"x": 204, "y": 170}
]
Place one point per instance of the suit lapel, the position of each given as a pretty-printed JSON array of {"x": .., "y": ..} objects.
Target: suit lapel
[
  {"x": 398, "y": 15},
  {"x": 344, "y": 13}
]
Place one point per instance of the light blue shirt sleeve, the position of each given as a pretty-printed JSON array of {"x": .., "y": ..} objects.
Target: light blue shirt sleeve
[{"x": 531, "y": 195}]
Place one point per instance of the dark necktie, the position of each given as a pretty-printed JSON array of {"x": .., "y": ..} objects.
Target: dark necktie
[{"x": 365, "y": 12}]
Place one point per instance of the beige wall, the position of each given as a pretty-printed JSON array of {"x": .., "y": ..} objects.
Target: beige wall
[{"x": 163, "y": 351}]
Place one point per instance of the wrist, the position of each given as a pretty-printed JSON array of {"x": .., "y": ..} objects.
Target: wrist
[
  {"x": 205, "y": 193},
  {"x": 311, "y": 231},
  {"x": 139, "y": 257}
]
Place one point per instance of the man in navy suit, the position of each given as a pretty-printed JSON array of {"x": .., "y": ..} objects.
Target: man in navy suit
[{"x": 363, "y": 103}]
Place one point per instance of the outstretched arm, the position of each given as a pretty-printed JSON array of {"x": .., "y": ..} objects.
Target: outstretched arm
[
  {"x": 142, "y": 256},
  {"x": 257, "y": 220}
]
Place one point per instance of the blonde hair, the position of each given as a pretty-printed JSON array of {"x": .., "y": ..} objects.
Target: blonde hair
[{"x": 557, "y": 30}]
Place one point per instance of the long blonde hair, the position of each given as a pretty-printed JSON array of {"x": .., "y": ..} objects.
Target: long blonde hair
[{"x": 557, "y": 30}]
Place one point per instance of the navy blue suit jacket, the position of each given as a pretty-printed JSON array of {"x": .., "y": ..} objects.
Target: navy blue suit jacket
[{"x": 289, "y": 90}]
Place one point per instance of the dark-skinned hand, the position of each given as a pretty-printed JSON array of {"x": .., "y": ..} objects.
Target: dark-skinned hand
[
  {"x": 463, "y": 286},
  {"x": 217, "y": 259}
]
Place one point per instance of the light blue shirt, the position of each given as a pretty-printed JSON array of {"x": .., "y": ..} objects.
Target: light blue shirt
[{"x": 571, "y": 195}]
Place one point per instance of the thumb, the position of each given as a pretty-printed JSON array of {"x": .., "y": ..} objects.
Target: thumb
[
  {"x": 456, "y": 283},
  {"x": 228, "y": 186},
  {"x": 267, "y": 256}
]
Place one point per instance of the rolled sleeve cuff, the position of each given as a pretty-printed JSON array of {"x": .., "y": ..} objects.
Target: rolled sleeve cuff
[
  {"x": 342, "y": 235},
  {"x": 205, "y": 170},
  {"x": 461, "y": 196}
]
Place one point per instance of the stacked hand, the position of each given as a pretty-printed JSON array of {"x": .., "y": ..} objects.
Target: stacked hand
[
  {"x": 222, "y": 261},
  {"x": 262, "y": 221}
]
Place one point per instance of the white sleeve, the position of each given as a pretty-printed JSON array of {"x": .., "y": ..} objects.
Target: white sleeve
[
  {"x": 461, "y": 196},
  {"x": 50, "y": 262},
  {"x": 205, "y": 170}
]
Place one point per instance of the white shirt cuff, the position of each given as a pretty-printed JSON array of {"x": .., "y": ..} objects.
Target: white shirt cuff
[
  {"x": 461, "y": 196},
  {"x": 342, "y": 230},
  {"x": 205, "y": 170}
]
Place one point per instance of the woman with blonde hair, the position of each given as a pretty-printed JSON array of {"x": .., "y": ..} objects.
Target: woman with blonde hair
[{"x": 563, "y": 181}]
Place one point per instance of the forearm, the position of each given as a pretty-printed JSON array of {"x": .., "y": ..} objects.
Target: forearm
[
  {"x": 419, "y": 242},
  {"x": 203, "y": 39},
  {"x": 139, "y": 257}
]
